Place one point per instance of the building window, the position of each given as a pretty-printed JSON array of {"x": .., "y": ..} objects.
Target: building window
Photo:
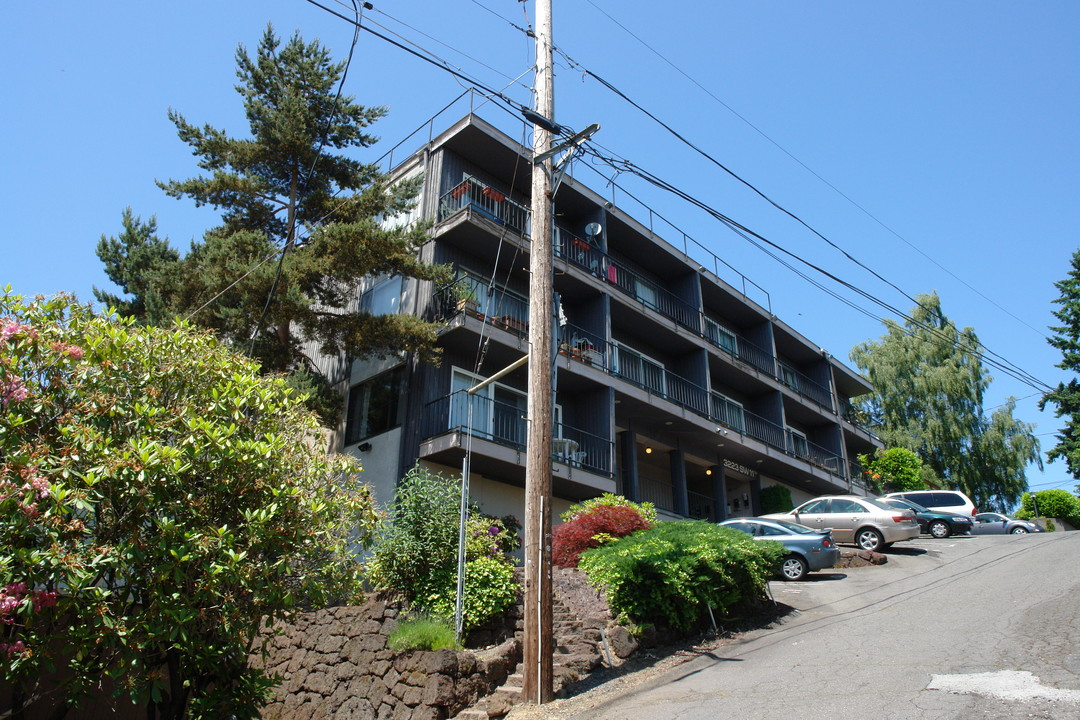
[
  {"x": 374, "y": 406},
  {"x": 383, "y": 296}
]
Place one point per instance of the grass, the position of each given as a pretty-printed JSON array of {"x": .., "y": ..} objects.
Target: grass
[{"x": 423, "y": 633}]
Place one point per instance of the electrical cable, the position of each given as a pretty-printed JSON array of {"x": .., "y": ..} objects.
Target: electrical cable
[
  {"x": 835, "y": 189},
  {"x": 995, "y": 360}
]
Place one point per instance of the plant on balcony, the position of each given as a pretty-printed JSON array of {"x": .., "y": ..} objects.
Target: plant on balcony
[
  {"x": 668, "y": 574},
  {"x": 592, "y": 528}
]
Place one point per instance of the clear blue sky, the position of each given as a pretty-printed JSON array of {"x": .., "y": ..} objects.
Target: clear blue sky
[{"x": 952, "y": 128}]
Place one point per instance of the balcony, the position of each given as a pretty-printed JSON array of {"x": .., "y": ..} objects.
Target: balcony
[
  {"x": 494, "y": 305},
  {"x": 505, "y": 424},
  {"x": 486, "y": 201},
  {"x": 818, "y": 456},
  {"x": 588, "y": 257},
  {"x": 803, "y": 385},
  {"x": 738, "y": 346}
]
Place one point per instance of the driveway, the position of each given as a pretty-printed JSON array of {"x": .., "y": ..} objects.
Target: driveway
[{"x": 968, "y": 627}]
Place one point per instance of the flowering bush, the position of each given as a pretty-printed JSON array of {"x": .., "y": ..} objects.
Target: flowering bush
[
  {"x": 158, "y": 500},
  {"x": 592, "y": 528}
]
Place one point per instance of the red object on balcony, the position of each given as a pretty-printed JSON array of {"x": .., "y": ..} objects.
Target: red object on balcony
[
  {"x": 612, "y": 274},
  {"x": 493, "y": 194},
  {"x": 460, "y": 190}
]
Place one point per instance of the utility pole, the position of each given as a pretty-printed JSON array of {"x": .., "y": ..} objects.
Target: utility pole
[{"x": 537, "y": 650}]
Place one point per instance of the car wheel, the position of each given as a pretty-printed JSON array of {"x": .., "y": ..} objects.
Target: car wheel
[
  {"x": 1019, "y": 531},
  {"x": 869, "y": 539},
  {"x": 940, "y": 529},
  {"x": 794, "y": 568}
]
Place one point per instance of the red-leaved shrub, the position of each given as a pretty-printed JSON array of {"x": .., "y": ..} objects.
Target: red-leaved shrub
[{"x": 608, "y": 522}]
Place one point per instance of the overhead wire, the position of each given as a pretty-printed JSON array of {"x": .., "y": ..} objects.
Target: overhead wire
[
  {"x": 994, "y": 359},
  {"x": 810, "y": 170}
]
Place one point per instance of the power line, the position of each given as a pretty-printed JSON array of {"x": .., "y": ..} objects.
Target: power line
[
  {"x": 837, "y": 190},
  {"x": 995, "y": 360}
]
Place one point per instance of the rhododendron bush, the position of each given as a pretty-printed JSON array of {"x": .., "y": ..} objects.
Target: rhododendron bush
[{"x": 158, "y": 499}]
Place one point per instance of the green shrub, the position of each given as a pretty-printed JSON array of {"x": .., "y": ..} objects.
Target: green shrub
[
  {"x": 490, "y": 589},
  {"x": 776, "y": 499},
  {"x": 417, "y": 555},
  {"x": 422, "y": 537},
  {"x": 1051, "y": 503},
  {"x": 646, "y": 509},
  {"x": 423, "y": 633},
  {"x": 666, "y": 575}
]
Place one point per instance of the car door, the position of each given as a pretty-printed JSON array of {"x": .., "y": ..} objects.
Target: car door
[
  {"x": 989, "y": 524},
  {"x": 847, "y": 517},
  {"x": 816, "y": 514}
]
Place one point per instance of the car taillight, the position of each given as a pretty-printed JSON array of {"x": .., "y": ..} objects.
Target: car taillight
[
  {"x": 974, "y": 512},
  {"x": 826, "y": 542},
  {"x": 900, "y": 518}
]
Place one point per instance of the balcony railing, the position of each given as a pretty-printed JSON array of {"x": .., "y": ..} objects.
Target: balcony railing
[
  {"x": 505, "y": 424},
  {"x": 486, "y": 201},
  {"x": 495, "y": 305},
  {"x": 701, "y": 506},
  {"x": 660, "y": 493},
  {"x": 803, "y": 385},
  {"x": 800, "y": 447},
  {"x": 590, "y": 258}
]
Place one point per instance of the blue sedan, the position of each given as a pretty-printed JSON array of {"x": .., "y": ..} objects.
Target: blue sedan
[{"x": 807, "y": 549}]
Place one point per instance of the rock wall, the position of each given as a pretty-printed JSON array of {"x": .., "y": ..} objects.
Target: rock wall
[{"x": 335, "y": 663}]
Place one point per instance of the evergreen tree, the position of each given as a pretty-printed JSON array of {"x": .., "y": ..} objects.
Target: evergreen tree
[
  {"x": 929, "y": 383},
  {"x": 1066, "y": 396},
  {"x": 302, "y": 223},
  {"x": 134, "y": 261}
]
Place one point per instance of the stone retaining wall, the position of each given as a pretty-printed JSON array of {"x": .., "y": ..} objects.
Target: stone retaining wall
[{"x": 335, "y": 663}]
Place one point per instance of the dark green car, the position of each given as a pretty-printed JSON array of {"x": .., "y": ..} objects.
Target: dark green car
[{"x": 931, "y": 522}]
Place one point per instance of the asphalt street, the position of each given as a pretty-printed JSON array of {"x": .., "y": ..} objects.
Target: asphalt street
[{"x": 968, "y": 627}]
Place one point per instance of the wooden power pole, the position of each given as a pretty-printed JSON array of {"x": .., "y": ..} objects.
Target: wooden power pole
[{"x": 537, "y": 650}]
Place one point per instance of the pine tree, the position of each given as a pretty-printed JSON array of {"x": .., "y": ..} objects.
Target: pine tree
[
  {"x": 929, "y": 383},
  {"x": 134, "y": 261},
  {"x": 302, "y": 223},
  {"x": 1066, "y": 396}
]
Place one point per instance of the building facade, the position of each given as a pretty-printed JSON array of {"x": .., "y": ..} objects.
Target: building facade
[{"x": 671, "y": 386}]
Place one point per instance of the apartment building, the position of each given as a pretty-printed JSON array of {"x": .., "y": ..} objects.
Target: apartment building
[{"x": 671, "y": 385}]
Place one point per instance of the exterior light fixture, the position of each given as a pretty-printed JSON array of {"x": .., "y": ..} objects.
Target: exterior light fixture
[{"x": 648, "y": 450}]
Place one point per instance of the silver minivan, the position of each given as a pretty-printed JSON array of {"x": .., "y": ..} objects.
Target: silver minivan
[{"x": 950, "y": 501}]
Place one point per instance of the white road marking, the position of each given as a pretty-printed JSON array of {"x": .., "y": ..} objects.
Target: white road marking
[{"x": 1005, "y": 685}]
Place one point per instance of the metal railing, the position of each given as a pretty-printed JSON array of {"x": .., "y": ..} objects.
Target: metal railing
[
  {"x": 505, "y": 424},
  {"x": 486, "y": 201},
  {"x": 700, "y": 506},
  {"x": 803, "y": 385},
  {"x": 493, "y": 304},
  {"x": 818, "y": 456},
  {"x": 658, "y": 492}
]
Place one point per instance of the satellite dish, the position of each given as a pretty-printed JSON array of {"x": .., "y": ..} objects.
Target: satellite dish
[{"x": 593, "y": 229}]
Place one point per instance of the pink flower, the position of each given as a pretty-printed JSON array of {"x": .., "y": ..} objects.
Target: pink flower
[
  {"x": 43, "y": 599},
  {"x": 15, "y": 648},
  {"x": 13, "y": 390}
]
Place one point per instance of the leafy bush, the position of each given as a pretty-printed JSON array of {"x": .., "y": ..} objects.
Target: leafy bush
[
  {"x": 1051, "y": 503},
  {"x": 417, "y": 555},
  {"x": 490, "y": 588},
  {"x": 776, "y": 499},
  {"x": 159, "y": 498},
  {"x": 422, "y": 537},
  {"x": 591, "y": 528},
  {"x": 897, "y": 468},
  {"x": 423, "y": 632},
  {"x": 667, "y": 574},
  {"x": 646, "y": 509}
]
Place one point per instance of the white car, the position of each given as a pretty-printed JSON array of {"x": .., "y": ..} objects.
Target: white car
[{"x": 949, "y": 501}]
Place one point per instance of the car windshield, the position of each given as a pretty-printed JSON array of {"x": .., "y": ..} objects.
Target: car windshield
[{"x": 793, "y": 527}]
